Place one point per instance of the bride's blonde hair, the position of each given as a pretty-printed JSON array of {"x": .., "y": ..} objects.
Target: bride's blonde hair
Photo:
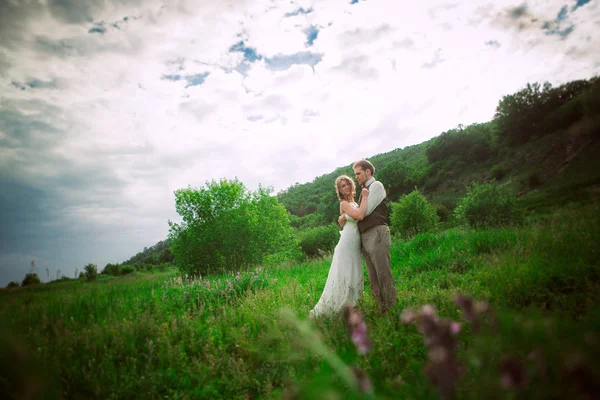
[{"x": 339, "y": 180}]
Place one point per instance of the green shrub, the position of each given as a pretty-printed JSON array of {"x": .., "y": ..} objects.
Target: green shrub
[
  {"x": 91, "y": 272},
  {"x": 498, "y": 172},
  {"x": 163, "y": 266},
  {"x": 412, "y": 214},
  {"x": 322, "y": 238},
  {"x": 12, "y": 284},
  {"x": 293, "y": 254},
  {"x": 227, "y": 227},
  {"x": 127, "y": 269},
  {"x": 31, "y": 279},
  {"x": 442, "y": 212},
  {"x": 486, "y": 205},
  {"x": 112, "y": 269}
]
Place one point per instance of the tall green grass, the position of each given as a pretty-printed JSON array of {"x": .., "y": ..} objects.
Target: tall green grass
[{"x": 158, "y": 336}]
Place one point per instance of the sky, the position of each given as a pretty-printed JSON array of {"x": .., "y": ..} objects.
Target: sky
[{"x": 109, "y": 106}]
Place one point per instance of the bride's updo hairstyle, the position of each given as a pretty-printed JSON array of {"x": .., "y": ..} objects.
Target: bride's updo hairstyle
[{"x": 339, "y": 180}]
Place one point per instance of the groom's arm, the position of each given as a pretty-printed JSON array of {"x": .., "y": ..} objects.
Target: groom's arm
[{"x": 376, "y": 196}]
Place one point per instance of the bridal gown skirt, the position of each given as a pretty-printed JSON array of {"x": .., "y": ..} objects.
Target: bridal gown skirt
[{"x": 345, "y": 279}]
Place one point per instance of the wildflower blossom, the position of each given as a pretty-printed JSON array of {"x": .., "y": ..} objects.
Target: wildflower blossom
[
  {"x": 357, "y": 329},
  {"x": 439, "y": 336}
]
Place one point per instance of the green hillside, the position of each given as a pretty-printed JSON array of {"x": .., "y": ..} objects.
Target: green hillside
[{"x": 542, "y": 145}]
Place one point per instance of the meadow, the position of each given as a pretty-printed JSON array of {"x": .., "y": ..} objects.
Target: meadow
[{"x": 247, "y": 335}]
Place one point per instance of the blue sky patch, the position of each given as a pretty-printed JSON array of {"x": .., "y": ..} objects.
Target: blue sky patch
[
  {"x": 555, "y": 30},
  {"x": 97, "y": 29},
  {"x": 36, "y": 83},
  {"x": 249, "y": 53},
  {"x": 171, "y": 77},
  {"x": 301, "y": 10},
  {"x": 580, "y": 3},
  {"x": 195, "y": 80},
  {"x": 192, "y": 80},
  {"x": 283, "y": 62},
  {"x": 353, "y": 1},
  {"x": 311, "y": 34},
  {"x": 554, "y": 27},
  {"x": 18, "y": 85},
  {"x": 562, "y": 14}
]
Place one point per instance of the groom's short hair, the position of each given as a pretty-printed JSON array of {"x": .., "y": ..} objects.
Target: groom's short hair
[{"x": 365, "y": 165}]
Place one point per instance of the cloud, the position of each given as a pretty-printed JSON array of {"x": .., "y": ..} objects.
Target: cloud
[
  {"x": 403, "y": 43},
  {"x": 493, "y": 43},
  {"x": 437, "y": 59}
]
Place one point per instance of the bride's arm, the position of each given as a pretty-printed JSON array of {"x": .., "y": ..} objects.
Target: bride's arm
[{"x": 362, "y": 209}]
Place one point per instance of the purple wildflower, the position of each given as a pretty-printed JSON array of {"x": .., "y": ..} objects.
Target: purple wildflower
[{"x": 357, "y": 329}]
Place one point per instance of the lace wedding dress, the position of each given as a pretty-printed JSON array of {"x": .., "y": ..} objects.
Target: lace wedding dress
[{"x": 345, "y": 279}]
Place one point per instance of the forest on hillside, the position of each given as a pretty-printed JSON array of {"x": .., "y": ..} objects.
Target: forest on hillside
[{"x": 535, "y": 133}]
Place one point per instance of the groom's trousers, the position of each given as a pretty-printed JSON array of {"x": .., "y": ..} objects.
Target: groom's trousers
[{"x": 376, "y": 250}]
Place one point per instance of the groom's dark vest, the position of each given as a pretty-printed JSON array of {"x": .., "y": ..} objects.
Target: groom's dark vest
[{"x": 379, "y": 216}]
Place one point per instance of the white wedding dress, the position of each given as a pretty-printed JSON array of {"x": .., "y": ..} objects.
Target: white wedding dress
[{"x": 345, "y": 279}]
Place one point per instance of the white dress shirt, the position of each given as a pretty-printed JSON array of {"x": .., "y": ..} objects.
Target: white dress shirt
[{"x": 376, "y": 194}]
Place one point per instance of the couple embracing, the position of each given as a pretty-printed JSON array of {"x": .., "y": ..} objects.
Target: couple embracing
[{"x": 364, "y": 229}]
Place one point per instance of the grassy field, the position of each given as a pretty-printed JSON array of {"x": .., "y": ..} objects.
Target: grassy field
[{"x": 160, "y": 336}]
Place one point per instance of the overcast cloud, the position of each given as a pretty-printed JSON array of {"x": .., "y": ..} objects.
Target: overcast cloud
[{"x": 108, "y": 107}]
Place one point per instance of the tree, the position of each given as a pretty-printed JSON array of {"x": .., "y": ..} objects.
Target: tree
[
  {"x": 486, "y": 205},
  {"x": 537, "y": 110},
  {"x": 413, "y": 214},
  {"x": 226, "y": 227},
  {"x": 31, "y": 279},
  {"x": 397, "y": 178},
  {"x": 91, "y": 271}
]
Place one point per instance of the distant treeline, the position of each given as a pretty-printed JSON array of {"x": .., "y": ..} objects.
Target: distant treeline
[{"x": 155, "y": 257}]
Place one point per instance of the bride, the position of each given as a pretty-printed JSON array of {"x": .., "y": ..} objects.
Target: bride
[{"x": 345, "y": 279}]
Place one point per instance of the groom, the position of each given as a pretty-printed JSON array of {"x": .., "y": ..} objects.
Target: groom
[{"x": 375, "y": 237}]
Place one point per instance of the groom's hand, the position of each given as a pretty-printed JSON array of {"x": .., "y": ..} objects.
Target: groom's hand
[{"x": 342, "y": 220}]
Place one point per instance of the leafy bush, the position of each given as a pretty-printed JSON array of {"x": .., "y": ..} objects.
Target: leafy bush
[
  {"x": 112, "y": 269},
  {"x": 163, "y": 266},
  {"x": 412, "y": 214},
  {"x": 12, "y": 284},
  {"x": 291, "y": 255},
  {"x": 91, "y": 272},
  {"x": 225, "y": 227},
  {"x": 442, "y": 212},
  {"x": 486, "y": 205},
  {"x": 31, "y": 279},
  {"x": 323, "y": 238},
  {"x": 498, "y": 172},
  {"x": 127, "y": 269}
]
